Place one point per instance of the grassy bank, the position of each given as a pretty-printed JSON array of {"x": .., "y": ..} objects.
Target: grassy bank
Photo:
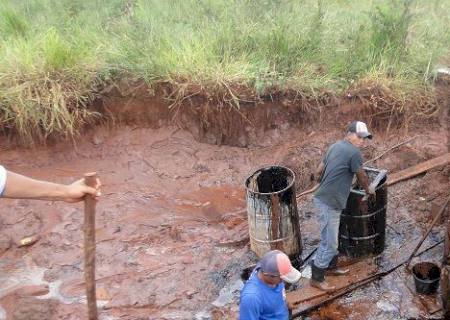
[{"x": 55, "y": 54}]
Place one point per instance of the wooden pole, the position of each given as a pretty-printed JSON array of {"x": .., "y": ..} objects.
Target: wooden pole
[
  {"x": 438, "y": 216},
  {"x": 390, "y": 149},
  {"x": 89, "y": 247},
  {"x": 308, "y": 191}
]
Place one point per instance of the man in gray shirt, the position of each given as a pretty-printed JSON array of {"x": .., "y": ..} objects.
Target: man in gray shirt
[{"x": 342, "y": 161}]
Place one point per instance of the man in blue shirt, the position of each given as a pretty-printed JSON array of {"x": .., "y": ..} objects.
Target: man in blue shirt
[
  {"x": 263, "y": 296},
  {"x": 336, "y": 171}
]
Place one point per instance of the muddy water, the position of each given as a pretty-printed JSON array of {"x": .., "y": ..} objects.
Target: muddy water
[{"x": 171, "y": 228}]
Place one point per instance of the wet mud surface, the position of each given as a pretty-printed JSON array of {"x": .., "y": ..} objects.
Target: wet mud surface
[{"x": 171, "y": 227}]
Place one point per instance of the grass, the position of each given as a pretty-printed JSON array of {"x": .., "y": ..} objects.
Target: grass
[{"x": 56, "y": 54}]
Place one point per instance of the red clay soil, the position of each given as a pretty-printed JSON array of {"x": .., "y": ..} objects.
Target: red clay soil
[{"x": 171, "y": 224}]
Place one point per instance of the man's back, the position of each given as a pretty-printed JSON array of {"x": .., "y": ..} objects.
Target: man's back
[{"x": 341, "y": 162}]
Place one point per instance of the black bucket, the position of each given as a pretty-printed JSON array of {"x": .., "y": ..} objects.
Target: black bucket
[{"x": 426, "y": 277}]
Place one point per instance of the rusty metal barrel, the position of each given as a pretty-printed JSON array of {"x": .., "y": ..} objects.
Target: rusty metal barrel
[
  {"x": 362, "y": 229},
  {"x": 272, "y": 211}
]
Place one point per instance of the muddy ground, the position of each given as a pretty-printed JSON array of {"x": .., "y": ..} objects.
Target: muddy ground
[{"x": 171, "y": 224}]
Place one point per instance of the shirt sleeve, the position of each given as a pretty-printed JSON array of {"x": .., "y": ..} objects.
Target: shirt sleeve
[
  {"x": 356, "y": 162},
  {"x": 2, "y": 180},
  {"x": 249, "y": 308}
]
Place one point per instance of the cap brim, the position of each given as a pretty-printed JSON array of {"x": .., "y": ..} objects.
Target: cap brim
[
  {"x": 364, "y": 135},
  {"x": 292, "y": 277}
]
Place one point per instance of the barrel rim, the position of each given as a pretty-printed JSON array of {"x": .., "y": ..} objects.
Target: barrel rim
[
  {"x": 432, "y": 265},
  {"x": 384, "y": 173},
  {"x": 363, "y": 192},
  {"x": 269, "y": 193}
]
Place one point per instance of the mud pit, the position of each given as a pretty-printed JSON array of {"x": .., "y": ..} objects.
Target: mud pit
[{"x": 172, "y": 230}]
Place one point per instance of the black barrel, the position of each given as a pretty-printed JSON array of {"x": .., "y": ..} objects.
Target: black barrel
[
  {"x": 445, "y": 274},
  {"x": 445, "y": 291},
  {"x": 362, "y": 228},
  {"x": 272, "y": 211}
]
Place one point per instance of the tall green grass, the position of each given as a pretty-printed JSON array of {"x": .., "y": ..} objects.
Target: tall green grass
[{"x": 55, "y": 54}]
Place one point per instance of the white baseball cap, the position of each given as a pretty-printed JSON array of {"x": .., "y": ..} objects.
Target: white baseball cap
[
  {"x": 360, "y": 128},
  {"x": 277, "y": 263}
]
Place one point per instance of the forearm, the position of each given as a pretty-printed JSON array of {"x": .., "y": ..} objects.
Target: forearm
[
  {"x": 19, "y": 186},
  {"x": 319, "y": 172},
  {"x": 363, "y": 181}
]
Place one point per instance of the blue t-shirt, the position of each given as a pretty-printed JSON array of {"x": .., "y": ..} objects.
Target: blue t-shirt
[
  {"x": 259, "y": 301},
  {"x": 341, "y": 162}
]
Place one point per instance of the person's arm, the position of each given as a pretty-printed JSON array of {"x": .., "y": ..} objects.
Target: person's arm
[
  {"x": 363, "y": 181},
  {"x": 2, "y": 179},
  {"x": 356, "y": 166},
  {"x": 319, "y": 171},
  {"x": 317, "y": 175},
  {"x": 249, "y": 307},
  {"x": 21, "y": 187}
]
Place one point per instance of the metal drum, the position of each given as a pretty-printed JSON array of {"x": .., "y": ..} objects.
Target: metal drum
[
  {"x": 445, "y": 274},
  {"x": 362, "y": 228},
  {"x": 272, "y": 211},
  {"x": 445, "y": 291}
]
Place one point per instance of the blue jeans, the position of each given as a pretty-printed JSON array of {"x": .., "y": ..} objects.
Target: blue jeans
[{"x": 329, "y": 230}]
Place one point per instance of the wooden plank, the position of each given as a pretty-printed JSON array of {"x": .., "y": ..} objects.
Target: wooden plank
[
  {"x": 404, "y": 174},
  {"x": 307, "y": 295},
  {"x": 418, "y": 169}
]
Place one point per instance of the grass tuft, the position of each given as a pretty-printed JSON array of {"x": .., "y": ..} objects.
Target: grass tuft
[{"x": 54, "y": 54}]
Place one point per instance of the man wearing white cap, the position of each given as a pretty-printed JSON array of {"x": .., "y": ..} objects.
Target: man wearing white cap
[
  {"x": 263, "y": 296},
  {"x": 342, "y": 161}
]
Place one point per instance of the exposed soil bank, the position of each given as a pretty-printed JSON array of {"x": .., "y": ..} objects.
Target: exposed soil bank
[
  {"x": 217, "y": 119},
  {"x": 205, "y": 118},
  {"x": 171, "y": 225}
]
